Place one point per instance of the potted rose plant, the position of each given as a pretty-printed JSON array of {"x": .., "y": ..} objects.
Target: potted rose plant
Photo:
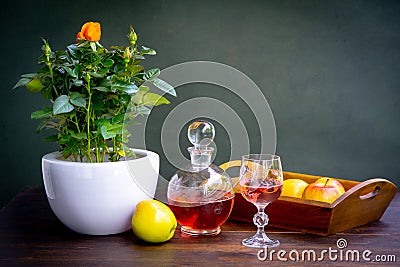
[{"x": 94, "y": 182}]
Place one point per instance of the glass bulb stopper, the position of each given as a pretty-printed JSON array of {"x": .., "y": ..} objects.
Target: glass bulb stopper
[{"x": 201, "y": 133}]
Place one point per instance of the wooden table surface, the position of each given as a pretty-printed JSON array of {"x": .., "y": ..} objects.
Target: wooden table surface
[{"x": 31, "y": 235}]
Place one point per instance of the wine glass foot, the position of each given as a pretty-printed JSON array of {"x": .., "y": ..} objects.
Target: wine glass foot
[{"x": 260, "y": 242}]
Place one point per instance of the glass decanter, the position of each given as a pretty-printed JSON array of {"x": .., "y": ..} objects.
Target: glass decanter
[{"x": 201, "y": 195}]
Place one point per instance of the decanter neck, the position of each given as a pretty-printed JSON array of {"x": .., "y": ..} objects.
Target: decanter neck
[{"x": 200, "y": 157}]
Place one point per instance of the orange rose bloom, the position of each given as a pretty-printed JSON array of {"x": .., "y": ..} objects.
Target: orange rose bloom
[
  {"x": 90, "y": 31},
  {"x": 79, "y": 36}
]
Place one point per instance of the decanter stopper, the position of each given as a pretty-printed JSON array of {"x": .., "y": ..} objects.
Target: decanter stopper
[{"x": 201, "y": 133}]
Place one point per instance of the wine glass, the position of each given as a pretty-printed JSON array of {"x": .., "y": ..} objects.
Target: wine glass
[{"x": 261, "y": 180}]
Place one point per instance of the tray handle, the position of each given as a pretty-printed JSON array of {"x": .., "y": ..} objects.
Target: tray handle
[
  {"x": 367, "y": 190},
  {"x": 230, "y": 164}
]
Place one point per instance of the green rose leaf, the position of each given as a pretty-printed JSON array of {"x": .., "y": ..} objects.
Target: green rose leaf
[
  {"x": 118, "y": 119},
  {"x": 79, "y": 102},
  {"x": 78, "y": 82},
  {"x": 134, "y": 69},
  {"x": 34, "y": 86},
  {"x": 102, "y": 89},
  {"x": 115, "y": 128},
  {"x": 101, "y": 122},
  {"x": 108, "y": 63},
  {"x": 144, "y": 88},
  {"x": 95, "y": 74},
  {"x": 154, "y": 99},
  {"x": 74, "y": 51},
  {"x": 138, "y": 97},
  {"x": 127, "y": 87},
  {"x": 62, "y": 105},
  {"x": 148, "y": 51},
  {"x": 164, "y": 86},
  {"x": 138, "y": 57},
  {"x": 29, "y": 75},
  {"x": 107, "y": 134},
  {"x": 51, "y": 138},
  {"x": 142, "y": 110},
  {"x": 151, "y": 74},
  {"x": 76, "y": 95},
  {"x": 22, "y": 82},
  {"x": 70, "y": 71},
  {"x": 78, "y": 136},
  {"x": 41, "y": 126},
  {"x": 46, "y": 112},
  {"x": 78, "y": 99}
]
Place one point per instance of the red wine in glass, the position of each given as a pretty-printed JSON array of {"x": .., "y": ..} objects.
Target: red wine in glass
[{"x": 261, "y": 195}]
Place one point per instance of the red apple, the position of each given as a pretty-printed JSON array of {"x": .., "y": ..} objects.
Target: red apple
[
  {"x": 331, "y": 181},
  {"x": 324, "y": 189}
]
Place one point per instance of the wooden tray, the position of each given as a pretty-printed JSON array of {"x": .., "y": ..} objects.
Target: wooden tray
[{"x": 362, "y": 203}]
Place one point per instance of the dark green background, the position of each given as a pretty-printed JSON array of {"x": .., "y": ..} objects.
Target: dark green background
[{"x": 329, "y": 69}]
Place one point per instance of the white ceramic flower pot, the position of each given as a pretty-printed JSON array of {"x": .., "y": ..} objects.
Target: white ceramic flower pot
[{"x": 99, "y": 198}]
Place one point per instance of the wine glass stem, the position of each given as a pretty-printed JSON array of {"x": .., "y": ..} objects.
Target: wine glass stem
[{"x": 260, "y": 219}]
